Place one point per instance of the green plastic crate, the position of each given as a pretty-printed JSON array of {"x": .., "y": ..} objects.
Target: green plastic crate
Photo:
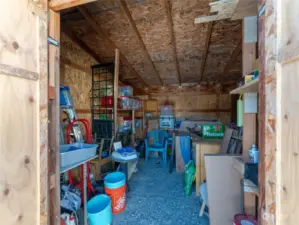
[{"x": 212, "y": 131}]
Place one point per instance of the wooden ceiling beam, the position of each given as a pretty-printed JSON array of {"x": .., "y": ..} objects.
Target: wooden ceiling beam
[
  {"x": 231, "y": 61},
  {"x": 206, "y": 49},
  {"x": 104, "y": 35},
  {"x": 124, "y": 8},
  {"x": 80, "y": 43},
  {"x": 57, "y": 5},
  {"x": 172, "y": 42}
]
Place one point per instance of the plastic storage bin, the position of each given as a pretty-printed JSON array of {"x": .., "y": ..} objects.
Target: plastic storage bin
[
  {"x": 125, "y": 91},
  {"x": 74, "y": 153},
  {"x": 65, "y": 96},
  {"x": 129, "y": 103}
]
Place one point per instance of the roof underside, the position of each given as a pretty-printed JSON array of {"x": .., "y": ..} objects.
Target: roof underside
[{"x": 150, "y": 17}]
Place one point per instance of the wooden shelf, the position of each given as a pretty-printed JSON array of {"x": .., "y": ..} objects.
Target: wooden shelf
[{"x": 250, "y": 87}]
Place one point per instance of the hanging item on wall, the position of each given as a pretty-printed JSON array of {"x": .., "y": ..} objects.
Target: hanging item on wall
[{"x": 240, "y": 112}]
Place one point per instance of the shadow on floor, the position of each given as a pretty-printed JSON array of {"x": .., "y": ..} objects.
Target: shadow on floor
[{"x": 157, "y": 198}]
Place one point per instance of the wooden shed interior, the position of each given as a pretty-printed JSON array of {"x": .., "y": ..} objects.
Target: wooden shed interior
[{"x": 197, "y": 89}]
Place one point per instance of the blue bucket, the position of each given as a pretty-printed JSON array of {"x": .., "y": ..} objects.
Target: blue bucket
[
  {"x": 99, "y": 210},
  {"x": 115, "y": 180}
]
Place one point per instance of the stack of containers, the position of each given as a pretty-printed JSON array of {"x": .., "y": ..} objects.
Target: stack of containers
[
  {"x": 166, "y": 120},
  {"x": 126, "y": 100}
]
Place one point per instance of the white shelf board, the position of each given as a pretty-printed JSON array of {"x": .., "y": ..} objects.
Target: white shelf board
[{"x": 250, "y": 87}]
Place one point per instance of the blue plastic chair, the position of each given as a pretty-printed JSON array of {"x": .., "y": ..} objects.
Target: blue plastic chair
[{"x": 157, "y": 141}]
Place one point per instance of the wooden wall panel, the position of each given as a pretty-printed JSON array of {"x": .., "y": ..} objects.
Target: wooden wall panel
[
  {"x": 23, "y": 123},
  {"x": 287, "y": 167},
  {"x": 198, "y": 105}
]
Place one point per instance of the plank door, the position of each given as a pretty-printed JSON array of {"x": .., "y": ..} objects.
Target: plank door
[{"x": 23, "y": 112}]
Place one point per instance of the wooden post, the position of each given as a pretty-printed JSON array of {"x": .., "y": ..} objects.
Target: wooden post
[
  {"x": 116, "y": 79},
  {"x": 54, "y": 117},
  {"x": 279, "y": 109},
  {"x": 249, "y": 120}
]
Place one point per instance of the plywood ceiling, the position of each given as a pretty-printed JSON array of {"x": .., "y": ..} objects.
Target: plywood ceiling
[{"x": 150, "y": 17}]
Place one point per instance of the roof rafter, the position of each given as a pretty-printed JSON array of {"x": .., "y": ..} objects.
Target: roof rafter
[
  {"x": 124, "y": 8},
  {"x": 231, "y": 61},
  {"x": 205, "y": 53},
  {"x": 173, "y": 42},
  {"x": 103, "y": 34}
]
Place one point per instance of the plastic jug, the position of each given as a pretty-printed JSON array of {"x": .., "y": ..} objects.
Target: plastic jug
[{"x": 253, "y": 154}]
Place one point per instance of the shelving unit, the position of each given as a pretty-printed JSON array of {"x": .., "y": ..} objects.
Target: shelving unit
[{"x": 250, "y": 87}]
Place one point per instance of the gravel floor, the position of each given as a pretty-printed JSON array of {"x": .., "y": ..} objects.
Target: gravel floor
[{"x": 157, "y": 198}]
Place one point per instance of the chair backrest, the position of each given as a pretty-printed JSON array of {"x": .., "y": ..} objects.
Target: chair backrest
[{"x": 157, "y": 136}]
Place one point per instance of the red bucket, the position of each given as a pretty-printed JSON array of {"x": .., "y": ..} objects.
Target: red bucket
[{"x": 243, "y": 219}]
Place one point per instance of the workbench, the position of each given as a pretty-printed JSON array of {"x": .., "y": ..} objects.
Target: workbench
[{"x": 201, "y": 147}]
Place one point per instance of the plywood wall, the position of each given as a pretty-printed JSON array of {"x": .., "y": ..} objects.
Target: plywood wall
[
  {"x": 198, "y": 105},
  {"x": 24, "y": 113},
  {"x": 76, "y": 73}
]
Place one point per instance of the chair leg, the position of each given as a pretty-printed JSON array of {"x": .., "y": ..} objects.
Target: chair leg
[
  {"x": 146, "y": 155},
  {"x": 165, "y": 159},
  {"x": 202, "y": 209}
]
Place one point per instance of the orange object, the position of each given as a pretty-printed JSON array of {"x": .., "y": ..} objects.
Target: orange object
[{"x": 118, "y": 198}]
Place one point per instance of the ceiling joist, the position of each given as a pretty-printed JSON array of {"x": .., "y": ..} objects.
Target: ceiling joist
[
  {"x": 57, "y": 5},
  {"x": 231, "y": 61},
  {"x": 80, "y": 43},
  {"x": 206, "y": 49},
  {"x": 173, "y": 42},
  {"x": 104, "y": 35},
  {"x": 124, "y": 8}
]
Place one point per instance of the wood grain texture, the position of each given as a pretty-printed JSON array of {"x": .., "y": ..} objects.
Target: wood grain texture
[
  {"x": 57, "y": 5},
  {"x": 224, "y": 192},
  {"x": 24, "y": 175},
  {"x": 124, "y": 8},
  {"x": 287, "y": 156},
  {"x": 19, "y": 151},
  {"x": 152, "y": 23}
]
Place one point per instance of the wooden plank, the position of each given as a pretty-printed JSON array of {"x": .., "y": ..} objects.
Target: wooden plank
[
  {"x": 206, "y": 48},
  {"x": 245, "y": 8},
  {"x": 198, "y": 171},
  {"x": 224, "y": 192},
  {"x": 124, "y": 8},
  {"x": 249, "y": 119},
  {"x": 231, "y": 61},
  {"x": 116, "y": 77},
  {"x": 23, "y": 118},
  {"x": 288, "y": 142},
  {"x": 19, "y": 150},
  {"x": 105, "y": 35},
  {"x": 225, "y": 141},
  {"x": 219, "y": 10},
  {"x": 250, "y": 87},
  {"x": 57, "y": 5},
  {"x": 80, "y": 43},
  {"x": 54, "y": 119},
  {"x": 172, "y": 41}
]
